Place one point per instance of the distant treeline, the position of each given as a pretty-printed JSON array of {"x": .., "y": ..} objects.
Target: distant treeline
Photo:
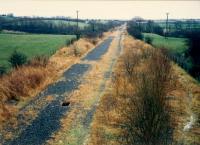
[
  {"x": 55, "y": 25},
  {"x": 138, "y": 26},
  {"x": 175, "y": 28}
]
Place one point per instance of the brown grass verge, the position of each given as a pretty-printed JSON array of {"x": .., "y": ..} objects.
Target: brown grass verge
[
  {"x": 106, "y": 129},
  {"x": 23, "y": 83},
  {"x": 20, "y": 83}
]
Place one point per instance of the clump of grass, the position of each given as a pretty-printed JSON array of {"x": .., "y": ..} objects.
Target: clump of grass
[
  {"x": 41, "y": 60},
  {"x": 94, "y": 41},
  {"x": 76, "y": 51},
  {"x": 148, "y": 39},
  {"x": 21, "y": 82},
  {"x": 82, "y": 46}
]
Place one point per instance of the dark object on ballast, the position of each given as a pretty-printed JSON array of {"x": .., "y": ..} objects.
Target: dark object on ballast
[{"x": 66, "y": 103}]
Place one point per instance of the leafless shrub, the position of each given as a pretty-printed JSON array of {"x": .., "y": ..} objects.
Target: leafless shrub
[
  {"x": 142, "y": 105},
  {"x": 94, "y": 41},
  {"x": 76, "y": 51},
  {"x": 130, "y": 60}
]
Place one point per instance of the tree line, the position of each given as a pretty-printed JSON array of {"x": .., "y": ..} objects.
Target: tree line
[
  {"x": 60, "y": 25},
  {"x": 137, "y": 27}
]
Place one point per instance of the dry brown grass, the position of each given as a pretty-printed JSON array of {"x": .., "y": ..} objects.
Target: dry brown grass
[
  {"x": 82, "y": 101},
  {"x": 39, "y": 61},
  {"x": 21, "y": 83},
  {"x": 28, "y": 80},
  {"x": 141, "y": 98},
  {"x": 106, "y": 131},
  {"x": 186, "y": 103}
]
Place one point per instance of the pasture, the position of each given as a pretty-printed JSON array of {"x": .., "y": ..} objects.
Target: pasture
[
  {"x": 30, "y": 44},
  {"x": 178, "y": 45}
]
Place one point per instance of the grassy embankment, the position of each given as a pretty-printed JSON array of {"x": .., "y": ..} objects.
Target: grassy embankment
[
  {"x": 30, "y": 44},
  {"x": 177, "y": 45},
  {"x": 23, "y": 83},
  {"x": 181, "y": 94}
]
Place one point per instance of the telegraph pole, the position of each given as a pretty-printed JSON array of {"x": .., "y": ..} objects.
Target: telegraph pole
[
  {"x": 77, "y": 18},
  {"x": 167, "y": 27},
  {"x": 77, "y": 33}
]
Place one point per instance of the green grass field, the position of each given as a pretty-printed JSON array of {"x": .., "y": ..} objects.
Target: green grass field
[
  {"x": 177, "y": 45},
  {"x": 30, "y": 44}
]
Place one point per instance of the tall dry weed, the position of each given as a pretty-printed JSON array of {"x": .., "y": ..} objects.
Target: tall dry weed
[{"x": 142, "y": 104}]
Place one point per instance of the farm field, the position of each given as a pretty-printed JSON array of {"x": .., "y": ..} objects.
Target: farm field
[
  {"x": 30, "y": 44},
  {"x": 177, "y": 45}
]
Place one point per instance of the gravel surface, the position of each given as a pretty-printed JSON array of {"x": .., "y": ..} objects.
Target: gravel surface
[
  {"x": 87, "y": 120},
  {"x": 48, "y": 119},
  {"x": 96, "y": 54}
]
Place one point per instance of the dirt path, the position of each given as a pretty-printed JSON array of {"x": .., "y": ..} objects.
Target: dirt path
[{"x": 38, "y": 127}]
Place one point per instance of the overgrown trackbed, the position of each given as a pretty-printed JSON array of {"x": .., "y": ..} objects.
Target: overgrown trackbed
[{"x": 47, "y": 119}]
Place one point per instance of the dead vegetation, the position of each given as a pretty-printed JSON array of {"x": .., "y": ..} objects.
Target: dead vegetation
[
  {"x": 138, "y": 103},
  {"x": 26, "y": 81},
  {"x": 141, "y": 99},
  {"x": 74, "y": 128},
  {"x": 148, "y": 101},
  {"x": 22, "y": 82},
  {"x": 39, "y": 61}
]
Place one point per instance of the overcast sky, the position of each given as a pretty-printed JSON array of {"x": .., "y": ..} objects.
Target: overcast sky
[{"x": 102, "y": 9}]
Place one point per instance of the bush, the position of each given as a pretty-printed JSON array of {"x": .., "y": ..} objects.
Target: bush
[
  {"x": 194, "y": 52},
  {"x": 181, "y": 59},
  {"x": 76, "y": 51},
  {"x": 158, "y": 30},
  {"x": 2, "y": 70},
  {"x": 71, "y": 41},
  {"x": 78, "y": 36},
  {"x": 135, "y": 30},
  {"x": 148, "y": 40},
  {"x": 17, "y": 59},
  {"x": 143, "y": 106}
]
